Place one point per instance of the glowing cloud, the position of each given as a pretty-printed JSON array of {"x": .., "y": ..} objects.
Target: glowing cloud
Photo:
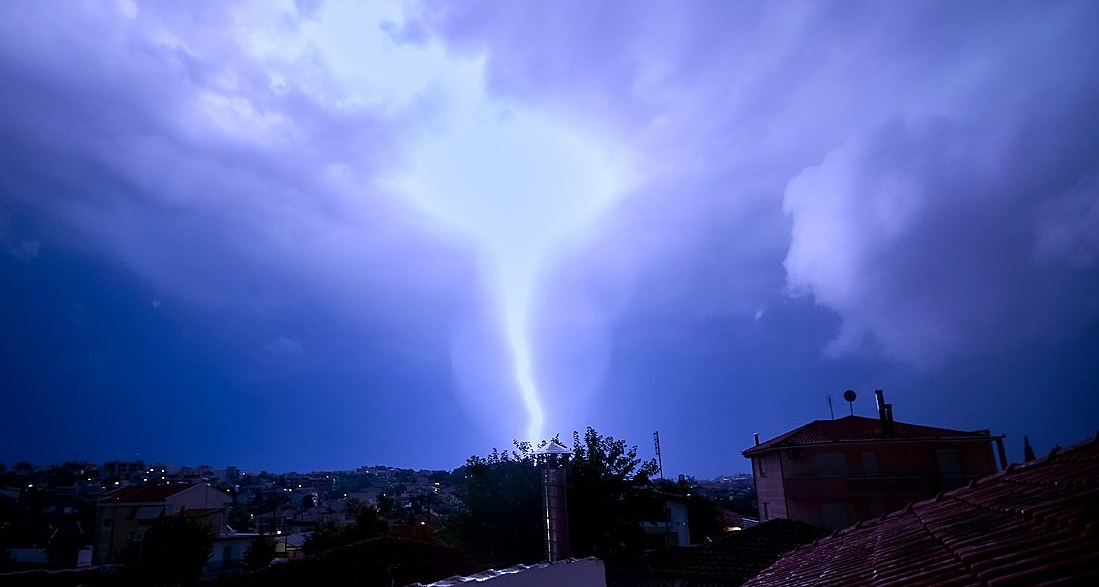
[
  {"x": 514, "y": 182},
  {"x": 517, "y": 185}
]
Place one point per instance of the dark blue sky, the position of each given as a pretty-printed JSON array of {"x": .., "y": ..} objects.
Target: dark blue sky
[{"x": 325, "y": 235}]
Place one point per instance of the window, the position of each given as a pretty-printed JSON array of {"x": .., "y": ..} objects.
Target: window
[
  {"x": 950, "y": 468},
  {"x": 762, "y": 470},
  {"x": 766, "y": 511},
  {"x": 869, "y": 463},
  {"x": 830, "y": 464}
]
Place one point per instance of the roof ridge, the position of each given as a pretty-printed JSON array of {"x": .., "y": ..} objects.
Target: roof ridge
[
  {"x": 914, "y": 510},
  {"x": 854, "y": 428}
]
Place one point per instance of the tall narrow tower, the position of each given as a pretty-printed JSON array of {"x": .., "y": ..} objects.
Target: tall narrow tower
[{"x": 552, "y": 459}]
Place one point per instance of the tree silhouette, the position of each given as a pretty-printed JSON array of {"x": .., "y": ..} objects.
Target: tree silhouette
[
  {"x": 603, "y": 518},
  {"x": 369, "y": 523},
  {"x": 175, "y": 549},
  {"x": 329, "y": 535},
  {"x": 260, "y": 552},
  {"x": 1028, "y": 452},
  {"x": 501, "y": 505},
  {"x": 501, "y": 498}
]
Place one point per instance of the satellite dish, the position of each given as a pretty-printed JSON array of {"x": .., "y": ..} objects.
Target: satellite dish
[{"x": 850, "y": 396}]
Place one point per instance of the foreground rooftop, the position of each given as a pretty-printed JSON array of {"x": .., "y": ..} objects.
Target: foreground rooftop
[{"x": 1032, "y": 524}]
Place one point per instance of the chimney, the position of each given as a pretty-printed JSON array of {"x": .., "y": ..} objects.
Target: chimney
[
  {"x": 756, "y": 435},
  {"x": 885, "y": 414},
  {"x": 555, "y": 506}
]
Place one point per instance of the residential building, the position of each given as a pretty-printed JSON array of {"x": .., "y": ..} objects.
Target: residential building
[
  {"x": 831, "y": 473},
  {"x": 288, "y": 546},
  {"x": 124, "y": 515},
  {"x": 674, "y": 528},
  {"x": 1032, "y": 524},
  {"x": 227, "y": 554}
]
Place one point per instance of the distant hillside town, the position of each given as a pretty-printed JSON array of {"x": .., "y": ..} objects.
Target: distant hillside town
[
  {"x": 825, "y": 500},
  {"x": 83, "y": 514}
]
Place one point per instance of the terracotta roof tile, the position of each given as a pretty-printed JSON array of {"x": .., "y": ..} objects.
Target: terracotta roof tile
[
  {"x": 200, "y": 512},
  {"x": 1034, "y": 524},
  {"x": 856, "y": 428},
  {"x": 141, "y": 493}
]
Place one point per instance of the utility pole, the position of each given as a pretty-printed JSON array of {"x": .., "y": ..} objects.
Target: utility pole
[{"x": 659, "y": 461}]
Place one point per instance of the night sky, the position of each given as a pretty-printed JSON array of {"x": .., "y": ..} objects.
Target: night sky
[{"x": 297, "y": 236}]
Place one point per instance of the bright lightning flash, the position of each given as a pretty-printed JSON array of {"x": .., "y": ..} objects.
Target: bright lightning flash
[
  {"x": 515, "y": 182},
  {"x": 518, "y": 186},
  {"x": 518, "y": 340}
]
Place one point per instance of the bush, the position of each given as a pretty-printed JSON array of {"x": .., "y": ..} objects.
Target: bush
[
  {"x": 260, "y": 552},
  {"x": 175, "y": 549}
]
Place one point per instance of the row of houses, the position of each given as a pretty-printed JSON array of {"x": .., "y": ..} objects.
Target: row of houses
[
  {"x": 874, "y": 483},
  {"x": 124, "y": 517}
]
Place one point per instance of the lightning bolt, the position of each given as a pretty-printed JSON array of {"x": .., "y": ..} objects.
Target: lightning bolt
[
  {"x": 518, "y": 184},
  {"x": 516, "y": 329}
]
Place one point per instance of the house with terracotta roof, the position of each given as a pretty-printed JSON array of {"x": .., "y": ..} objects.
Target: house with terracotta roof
[
  {"x": 830, "y": 473},
  {"x": 1035, "y": 523},
  {"x": 124, "y": 515}
]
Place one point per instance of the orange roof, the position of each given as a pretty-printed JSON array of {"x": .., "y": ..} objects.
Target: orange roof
[
  {"x": 1032, "y": 524},
  {"x": 855, "y": 429},
  {"x": 199, "y": 512},
  {"x": 144, "y": 493}
]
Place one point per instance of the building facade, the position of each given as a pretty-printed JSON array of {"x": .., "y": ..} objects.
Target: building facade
[
  {"x": 124, "y": 515},
  {"x": 1031, "y": 524},
  {"x": 831, "y": 473}
]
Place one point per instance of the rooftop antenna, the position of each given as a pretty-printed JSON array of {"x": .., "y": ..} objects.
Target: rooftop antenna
[
  {"x": 659, "y": 461},
  {"x": 850, "y": 396},
  {"x": 830, "y": 412}
]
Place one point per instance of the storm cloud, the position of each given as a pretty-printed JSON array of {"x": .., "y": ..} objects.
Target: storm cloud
[{"x": 712, "y": 215}]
